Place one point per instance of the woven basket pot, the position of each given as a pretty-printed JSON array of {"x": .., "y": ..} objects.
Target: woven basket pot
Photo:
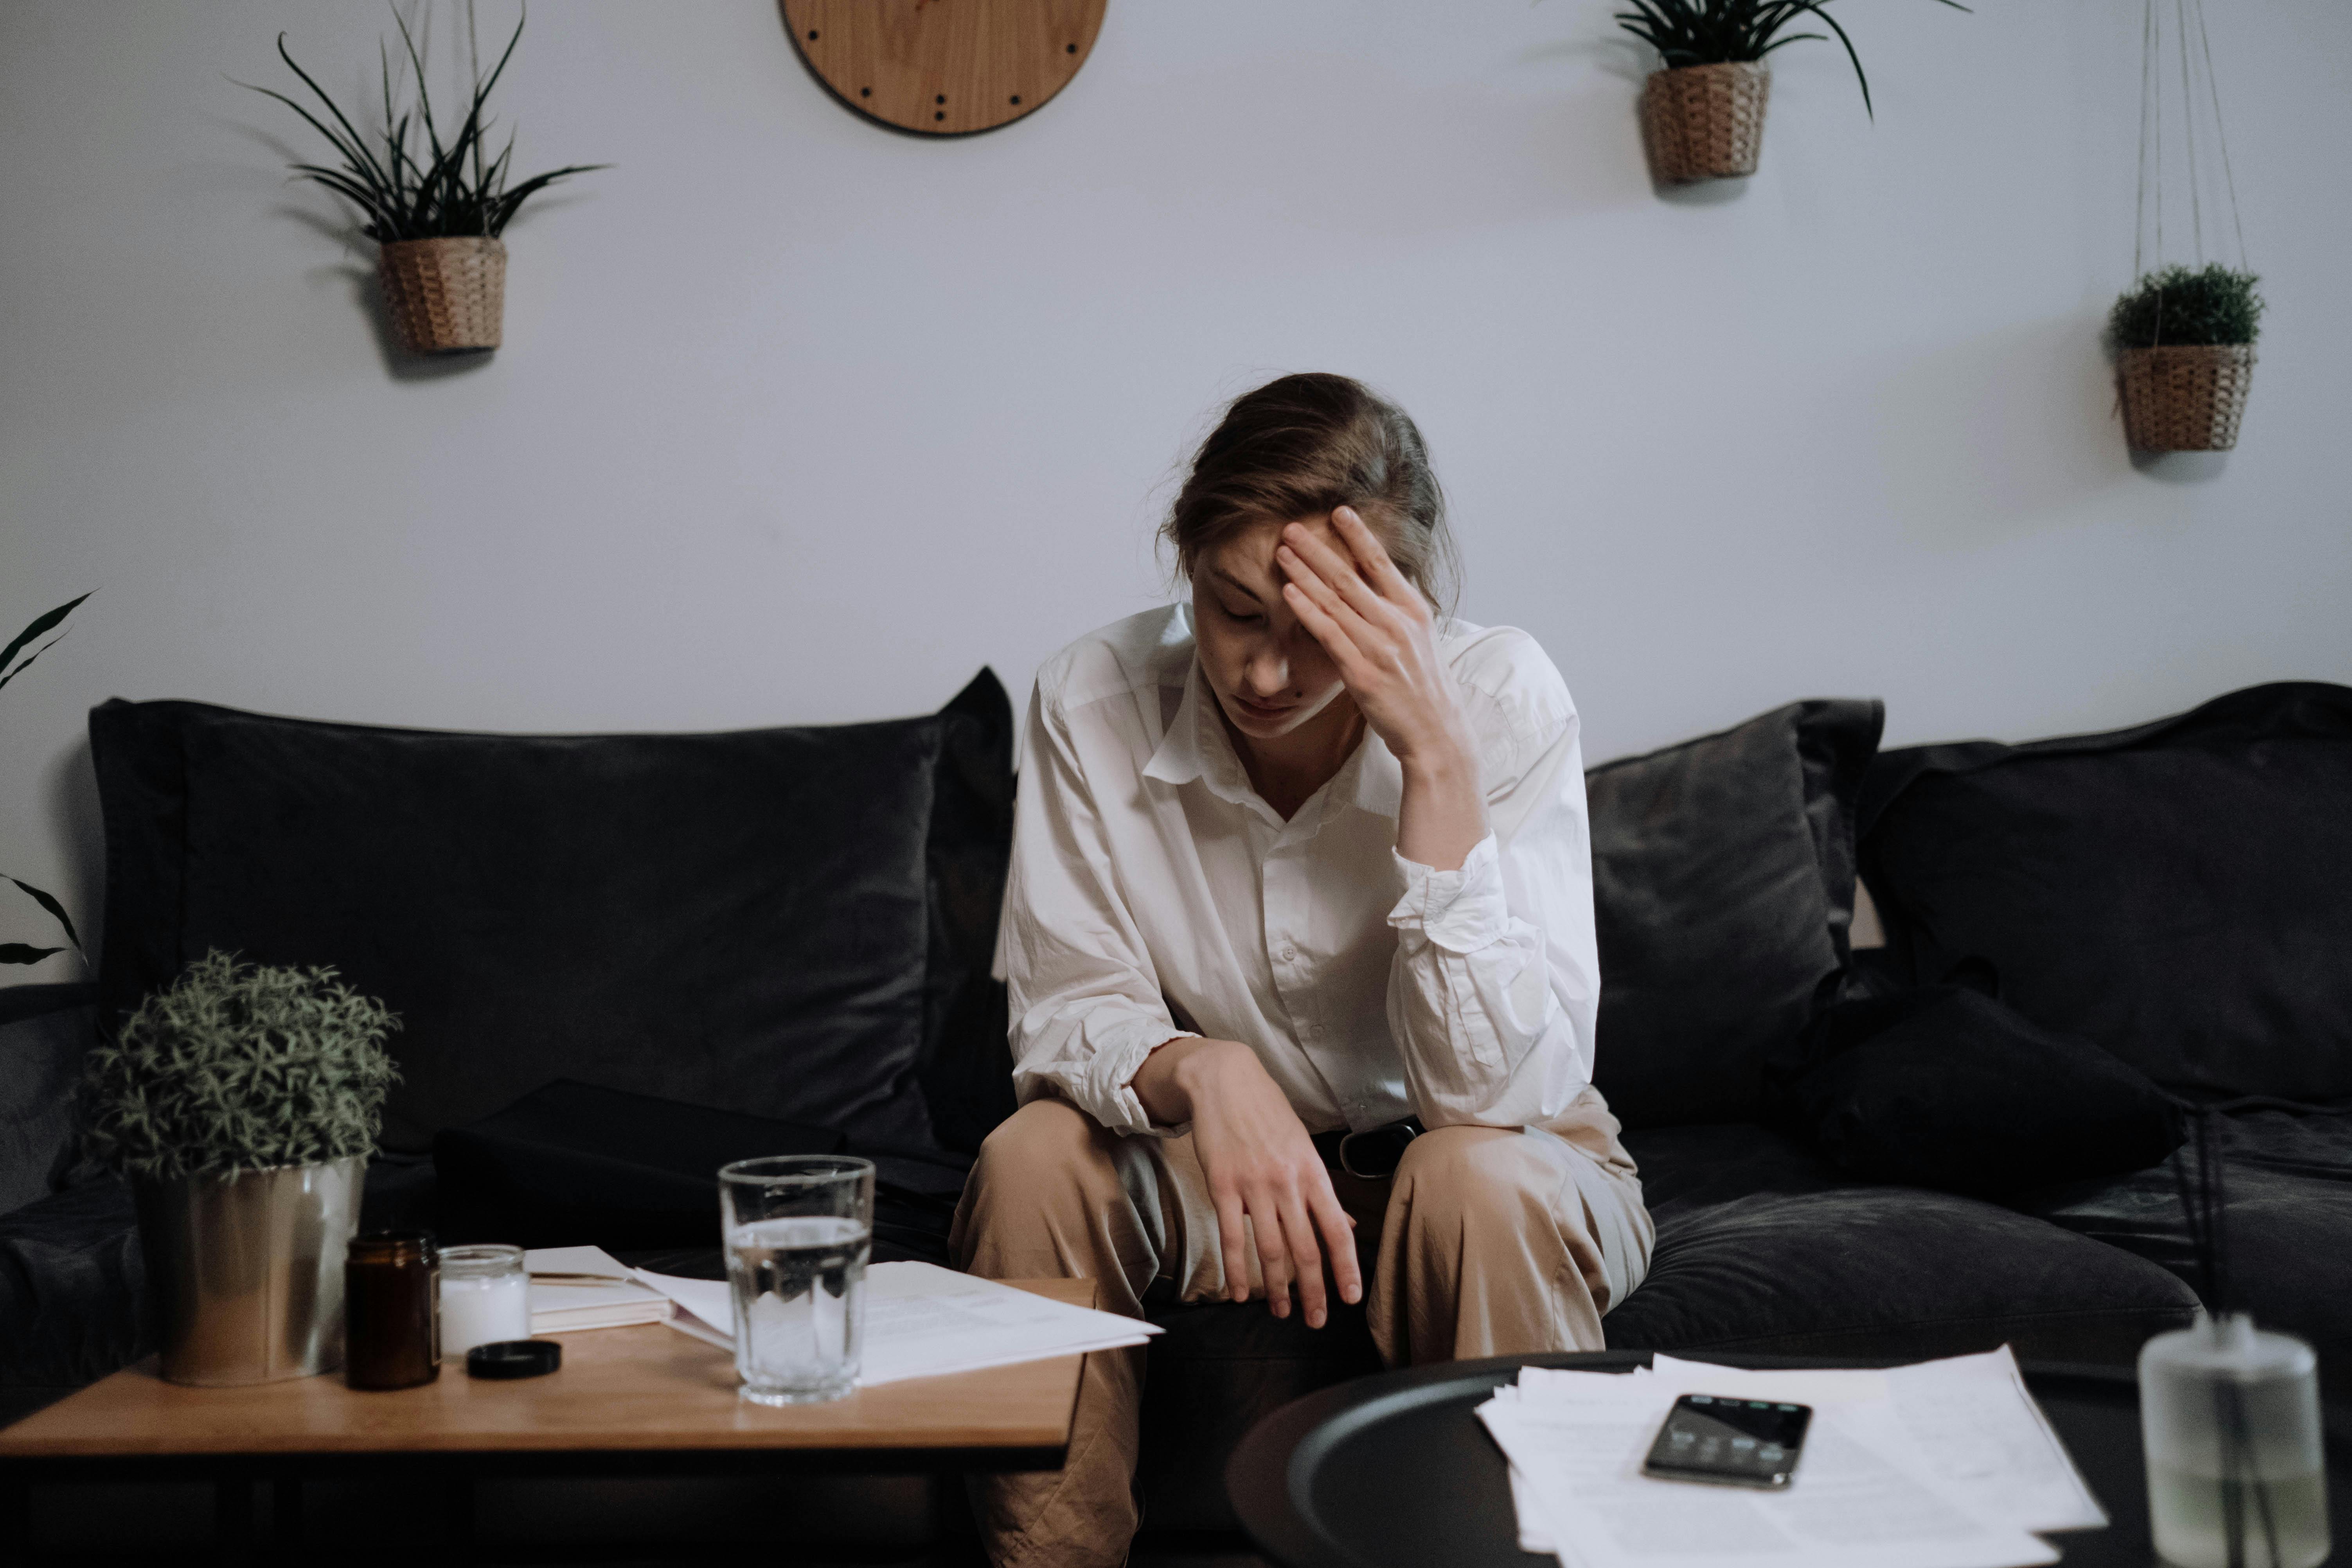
[
  {"x": 2186, "y": 399},
  {"x": 447, "y": 296},
  {"x": 1704, "y": 122}
]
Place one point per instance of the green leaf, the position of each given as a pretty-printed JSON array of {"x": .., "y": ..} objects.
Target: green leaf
[
  {"x": 17, "y": 952},
  {"x": 1831, "y": 22},
  {"x": 40, "y": 624},
  {"x": 51, "y": 904}
]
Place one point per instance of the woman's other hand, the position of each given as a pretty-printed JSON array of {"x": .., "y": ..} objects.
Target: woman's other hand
[
  {"x": 1382, "y": 634},
  {"x": 1260, "y": 1166}
]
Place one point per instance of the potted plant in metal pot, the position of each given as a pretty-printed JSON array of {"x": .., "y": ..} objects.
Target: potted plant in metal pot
[
  {"x": 1703, "y": 112},
  {"x": 243, "y": 1101},
  {"x": 2184, "y": 342},
  {"x": 436, "y": 207}
]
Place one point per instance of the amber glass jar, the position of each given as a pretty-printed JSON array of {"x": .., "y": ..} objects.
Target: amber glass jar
[{"x": 392, "y": 1287}]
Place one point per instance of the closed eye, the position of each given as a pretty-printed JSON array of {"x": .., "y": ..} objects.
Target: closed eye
[{"x": 1243, "y": 617}]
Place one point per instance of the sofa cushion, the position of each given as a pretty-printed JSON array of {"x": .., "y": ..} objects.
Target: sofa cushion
[
  {"x": 1723, "y": 892},
  {"x": 1763, "y": 1247},
  {"x": 776, "y": 920},
  {"x": 73, "y": 1299},
  {"x": 2175, "y": 893},
  {"x": 2287, "y": 1181},
  {"x": 45, "y": 1032},
  {"x": 1944, "y": 1086}
]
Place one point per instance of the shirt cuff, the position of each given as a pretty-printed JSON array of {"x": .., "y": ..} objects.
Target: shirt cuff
[
  {"x": 1112, "y": 1078},
  {"x": 1461, "y": 911}
]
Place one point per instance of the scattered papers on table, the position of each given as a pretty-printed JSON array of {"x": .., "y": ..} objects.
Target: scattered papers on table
[
  {"x": 1945, "y": 1464},
  {"x": 558, "y": 1308},
  {"x": 922, "y": 1320}
]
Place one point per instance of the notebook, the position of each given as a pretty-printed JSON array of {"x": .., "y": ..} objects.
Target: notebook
[{"x": 558, "y": 1308}]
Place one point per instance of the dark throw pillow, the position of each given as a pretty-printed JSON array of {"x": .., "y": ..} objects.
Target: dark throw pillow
[
  {"x": 1945, "y": 1087},
  {"x": 1723, "y": 890},
  {"x": 792, "y": 924},
  {"x": 2179, "y": 894}
]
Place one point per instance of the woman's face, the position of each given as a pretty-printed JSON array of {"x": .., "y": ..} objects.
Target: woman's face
[{"x": 1271, "y": 676}]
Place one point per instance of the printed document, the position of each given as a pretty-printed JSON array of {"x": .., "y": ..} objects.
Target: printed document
[
  {"x": 1947, "y": 1464},
  {"x": 922, "y": 1320}
]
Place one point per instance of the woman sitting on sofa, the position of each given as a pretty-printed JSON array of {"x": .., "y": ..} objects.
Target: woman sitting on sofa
[{"x": 1300, "y": 942}]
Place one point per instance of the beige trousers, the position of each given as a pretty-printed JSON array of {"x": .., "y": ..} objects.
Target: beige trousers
[{"x": 1488, "y": 1241}]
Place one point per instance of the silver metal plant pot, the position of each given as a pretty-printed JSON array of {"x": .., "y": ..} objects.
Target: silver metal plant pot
[{"x": 247, "y": 1270}]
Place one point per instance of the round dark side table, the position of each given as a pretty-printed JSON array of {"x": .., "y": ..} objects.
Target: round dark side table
[{"x": 1396, "y": 1469}]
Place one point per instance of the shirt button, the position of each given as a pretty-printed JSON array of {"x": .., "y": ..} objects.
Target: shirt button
[{"x": 1289, "y": 955}]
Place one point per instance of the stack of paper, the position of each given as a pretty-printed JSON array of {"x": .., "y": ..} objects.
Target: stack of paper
[
  {"x": 558, "y": 1308},
  {"x": 1947, "y": 1464},
  {"x": 922, "y": 1320}
]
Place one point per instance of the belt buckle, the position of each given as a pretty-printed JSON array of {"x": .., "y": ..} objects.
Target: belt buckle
[{"x": 1403, "y": 1128}]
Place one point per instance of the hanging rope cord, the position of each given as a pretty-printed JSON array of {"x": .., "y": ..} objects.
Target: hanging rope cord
[{"x": 2186, "y": 14}]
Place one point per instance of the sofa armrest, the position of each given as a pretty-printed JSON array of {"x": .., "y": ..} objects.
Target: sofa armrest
[{"x": 45, "y": 1033}]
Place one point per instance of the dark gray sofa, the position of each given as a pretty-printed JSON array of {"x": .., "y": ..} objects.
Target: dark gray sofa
[{"x": 1725, "y": 871}]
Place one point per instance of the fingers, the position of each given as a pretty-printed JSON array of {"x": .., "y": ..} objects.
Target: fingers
[
  {"x": 1273, "y": 1255},
  {"x": 1233, "y": 1235},
  {"x": 1324, "y": 627},
  {"x": 1373, "y": 557},
  {"x": 1339, "y": 1228},
  {"x": 1306, "y": 1257},
  {"x": 1340, "y": 573}
]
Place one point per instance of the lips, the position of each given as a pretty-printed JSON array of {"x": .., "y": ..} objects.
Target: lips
[{"x": 1261, "y": 709}]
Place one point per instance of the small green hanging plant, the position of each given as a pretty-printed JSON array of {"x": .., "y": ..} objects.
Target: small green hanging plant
[
  {"x": 2184, "y": 344},
  {"x": 15, "y": 660},
  {"x": 240, "y": 1067},
  {"x": 2188, "y": 308}
]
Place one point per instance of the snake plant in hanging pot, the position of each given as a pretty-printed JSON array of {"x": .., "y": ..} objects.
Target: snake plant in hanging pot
[
  {"x": 437, "y": 208},
  {"x": 243, "y": 1101},
  {"x": 1703, "y": 110},
  {"x": 2184, "y": 342}
]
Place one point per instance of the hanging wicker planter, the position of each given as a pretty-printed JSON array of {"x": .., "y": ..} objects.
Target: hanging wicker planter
[
  {"x": 1704, "y": 122},
  {"x": 2186, "y": 398},
  {"x": 447, "y": 296}
]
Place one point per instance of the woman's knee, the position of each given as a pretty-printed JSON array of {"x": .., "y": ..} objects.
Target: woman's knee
[
  {"x": 1465, "y": 1174},
  {"x": 1047, "y": 1147}
]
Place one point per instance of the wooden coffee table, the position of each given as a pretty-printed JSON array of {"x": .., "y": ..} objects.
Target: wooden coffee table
[{"x": 636, "y": 1401}]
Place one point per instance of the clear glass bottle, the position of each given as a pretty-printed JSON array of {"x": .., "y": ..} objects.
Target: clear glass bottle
[
  {"x": 485, "y": 1297},
  {"x": 2230, "y": 1419}
]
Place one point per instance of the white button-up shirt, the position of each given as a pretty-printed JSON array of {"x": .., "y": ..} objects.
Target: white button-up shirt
[{"x": 1154, "y": 894}]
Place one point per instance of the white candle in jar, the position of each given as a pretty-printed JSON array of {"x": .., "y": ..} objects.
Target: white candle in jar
[{"x": 485, "y": 1297}]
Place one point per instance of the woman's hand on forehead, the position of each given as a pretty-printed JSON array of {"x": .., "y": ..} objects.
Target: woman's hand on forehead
[{"x": 1378, "y": 629}]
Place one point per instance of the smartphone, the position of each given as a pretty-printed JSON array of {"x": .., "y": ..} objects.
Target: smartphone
[{"x": 1729, "y": 1442}]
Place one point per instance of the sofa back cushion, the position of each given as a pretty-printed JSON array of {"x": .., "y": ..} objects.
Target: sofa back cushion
[
  {"x": 763, "y": 921},
  {"x": 1723, "y": 890},
  {"x": 2180, "y": 893}
]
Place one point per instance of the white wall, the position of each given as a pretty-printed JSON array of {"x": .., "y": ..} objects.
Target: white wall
[{"x": 802, "y": 420}]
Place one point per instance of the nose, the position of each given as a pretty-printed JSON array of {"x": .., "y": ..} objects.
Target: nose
[{"x": 1269, "y": 673}]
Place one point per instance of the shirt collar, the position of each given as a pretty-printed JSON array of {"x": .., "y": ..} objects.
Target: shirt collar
[{"x": 1197, "y": 747}]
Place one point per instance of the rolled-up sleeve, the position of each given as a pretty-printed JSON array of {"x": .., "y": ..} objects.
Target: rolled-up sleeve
[
  {"x": 1086, "y": 1002},
  {"x": 1496, "y": 985}
]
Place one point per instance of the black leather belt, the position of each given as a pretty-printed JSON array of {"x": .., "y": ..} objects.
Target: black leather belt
[{"x": 1372, "y": 1153}]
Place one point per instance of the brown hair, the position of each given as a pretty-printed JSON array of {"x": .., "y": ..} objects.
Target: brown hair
[{"x": 1302, "y": 446}]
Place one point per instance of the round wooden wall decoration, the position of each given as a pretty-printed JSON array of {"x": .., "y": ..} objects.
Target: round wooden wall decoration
[{"x": 944, "y": 67}]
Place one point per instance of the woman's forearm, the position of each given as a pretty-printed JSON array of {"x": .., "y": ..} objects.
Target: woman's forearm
[
  {"x": 1166, "y": 1096},
  {"x": 1443, "y": 813}
]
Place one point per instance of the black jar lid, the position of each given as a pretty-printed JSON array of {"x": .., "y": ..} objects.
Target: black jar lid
[{"x": 514, "y": 1358}]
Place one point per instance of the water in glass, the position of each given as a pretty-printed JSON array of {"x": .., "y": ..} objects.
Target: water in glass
[{"x": 800, "y": 1287}]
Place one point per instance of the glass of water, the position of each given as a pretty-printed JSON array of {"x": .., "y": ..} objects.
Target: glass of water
[{"x": 797, "y": 1228}]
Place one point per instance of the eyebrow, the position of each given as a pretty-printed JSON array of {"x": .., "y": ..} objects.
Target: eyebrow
[{"x": 1244, "y": 589}]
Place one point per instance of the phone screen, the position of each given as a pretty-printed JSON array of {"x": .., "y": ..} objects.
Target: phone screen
[{"x": 1732, "y": 1442}]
